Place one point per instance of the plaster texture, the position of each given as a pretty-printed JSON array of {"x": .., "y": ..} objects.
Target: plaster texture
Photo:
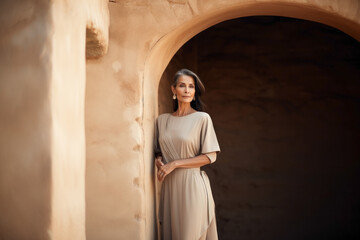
[
  {"x": 122, "y": 97},
  {"x": 42, "y": 141}
]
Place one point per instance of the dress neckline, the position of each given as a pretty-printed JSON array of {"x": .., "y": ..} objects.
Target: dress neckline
[{"x": 184, "y": 115}]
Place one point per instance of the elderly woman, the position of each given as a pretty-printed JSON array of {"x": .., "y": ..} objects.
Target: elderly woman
[{"x": 185, "y": 141}]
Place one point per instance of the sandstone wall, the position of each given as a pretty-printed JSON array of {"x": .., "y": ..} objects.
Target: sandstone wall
[
  {"x": 25, "y": 176},
  {"x": 42, "y": 140},
  {"x": 121, "y": 97}
]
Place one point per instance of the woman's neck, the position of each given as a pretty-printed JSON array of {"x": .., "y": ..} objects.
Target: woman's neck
[{"x": 184, "y": 109}]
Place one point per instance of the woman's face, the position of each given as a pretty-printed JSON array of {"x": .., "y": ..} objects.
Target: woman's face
[{"x": 185, "y": 89}]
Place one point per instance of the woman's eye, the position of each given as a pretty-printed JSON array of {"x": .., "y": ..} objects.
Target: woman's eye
[{"x": 183, "y": 85}]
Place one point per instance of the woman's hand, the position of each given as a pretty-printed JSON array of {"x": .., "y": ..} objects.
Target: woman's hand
[
  {"x": 165, "y": 170},
  {"x": 158, "y": 162}
]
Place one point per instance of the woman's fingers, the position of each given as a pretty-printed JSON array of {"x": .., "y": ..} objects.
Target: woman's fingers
[
  {"x": 158, "y": 163},
  {"x": 160, "y": 171},
  {"x": 161, "y": 174},
  {"x": 164, "y": 170}
]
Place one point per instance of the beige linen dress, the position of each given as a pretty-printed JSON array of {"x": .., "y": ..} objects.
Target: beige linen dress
[{"x": 186, "y": 206}]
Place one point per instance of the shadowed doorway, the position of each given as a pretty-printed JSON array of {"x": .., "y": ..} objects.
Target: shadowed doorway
[{"x": 284, "y": 96}]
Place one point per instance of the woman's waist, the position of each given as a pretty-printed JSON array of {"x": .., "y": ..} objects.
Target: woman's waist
[
  {"x": 196, "y": 169},
  {"x": 177, "y": 157}
]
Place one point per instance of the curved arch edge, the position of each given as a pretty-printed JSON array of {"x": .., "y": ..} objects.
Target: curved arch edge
[{"x": 166, "y": 47}]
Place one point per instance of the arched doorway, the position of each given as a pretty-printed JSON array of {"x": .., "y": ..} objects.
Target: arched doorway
[
  {"x": 278, "y": 92},
  {"x": 167, "y": 45}
]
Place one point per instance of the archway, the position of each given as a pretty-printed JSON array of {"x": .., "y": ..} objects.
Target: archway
[
  {"x": 167, "y": 46},
  {"x": 287, "y": 123}
]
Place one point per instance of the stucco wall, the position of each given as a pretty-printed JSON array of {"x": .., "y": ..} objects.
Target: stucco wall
[
  {"x": 25, "y": 139},
  {"x": 287, "y": 123},
  {"x": 42, "y": 140},
  {"x": 121, "y": 97}
]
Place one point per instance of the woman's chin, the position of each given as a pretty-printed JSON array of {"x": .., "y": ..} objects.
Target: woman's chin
[{"x": 186, "y": 100}]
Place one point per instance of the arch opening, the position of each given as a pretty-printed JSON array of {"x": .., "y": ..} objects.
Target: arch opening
[
  {"x": 166, "y": 47},
  {"x": 284, "y": 98},
  {"x": 343, "y": 16}
]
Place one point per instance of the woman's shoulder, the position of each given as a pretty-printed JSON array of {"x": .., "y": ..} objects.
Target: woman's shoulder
[
  {"x": 203, "y": 115},
  {"x": 162, "y": 116}
]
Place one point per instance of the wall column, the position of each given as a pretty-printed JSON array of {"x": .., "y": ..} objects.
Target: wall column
[{"x": 42, "y": 98}]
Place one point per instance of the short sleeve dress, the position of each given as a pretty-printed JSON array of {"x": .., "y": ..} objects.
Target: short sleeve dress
[{"x": 186, "y": 204}]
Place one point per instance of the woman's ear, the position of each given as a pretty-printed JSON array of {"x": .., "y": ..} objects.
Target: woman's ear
[{"x": 173, "y": 89}]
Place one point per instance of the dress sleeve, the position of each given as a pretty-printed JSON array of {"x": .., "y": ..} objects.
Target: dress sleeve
[
  {"x": 211, "y": 156},
  {"x": 157, "y": 149},
  {"x": 209, "y": 142}
]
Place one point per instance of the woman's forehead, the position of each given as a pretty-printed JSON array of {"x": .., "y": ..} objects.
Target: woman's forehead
[{"x": 185, "y": 79}]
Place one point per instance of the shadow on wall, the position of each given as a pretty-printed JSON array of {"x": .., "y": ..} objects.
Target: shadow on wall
[{"x": 284, "y": 97}]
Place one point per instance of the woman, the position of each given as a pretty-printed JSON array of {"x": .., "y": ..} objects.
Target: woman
[{"x": 185, "y": 141}]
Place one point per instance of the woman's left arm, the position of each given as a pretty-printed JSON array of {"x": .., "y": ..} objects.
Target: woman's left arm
[{"x": 193, "y": 162}]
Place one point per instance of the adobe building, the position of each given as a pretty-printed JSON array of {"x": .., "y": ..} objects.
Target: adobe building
[{"x": 81, "y": 83}]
